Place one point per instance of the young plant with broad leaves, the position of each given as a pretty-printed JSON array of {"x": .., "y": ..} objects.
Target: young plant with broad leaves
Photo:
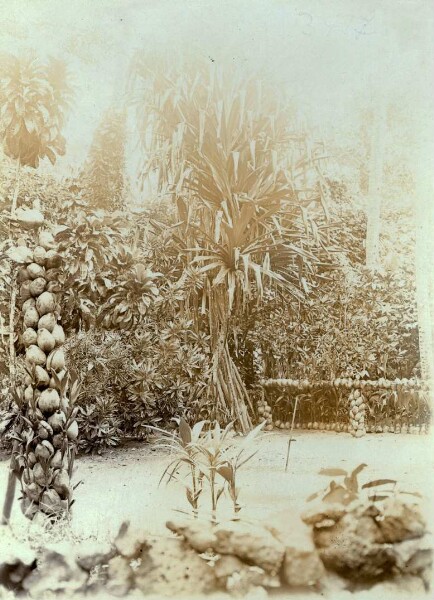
[
  {"x": 349, "y": 489},
  {"x": 211, "y": 457}
]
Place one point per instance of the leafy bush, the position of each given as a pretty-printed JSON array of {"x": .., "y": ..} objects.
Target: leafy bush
[
  {"x": 99, "y": 425},
  {"x": 131, "y": 380}
]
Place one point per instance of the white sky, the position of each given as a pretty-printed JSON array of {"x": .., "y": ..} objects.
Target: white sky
[{"x": 331, "y": 54}]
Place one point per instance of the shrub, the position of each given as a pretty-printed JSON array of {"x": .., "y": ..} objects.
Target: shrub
[{"x": 132, "y": 380}]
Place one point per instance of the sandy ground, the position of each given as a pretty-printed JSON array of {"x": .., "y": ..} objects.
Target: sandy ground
[{"x": 123, "y": 484}]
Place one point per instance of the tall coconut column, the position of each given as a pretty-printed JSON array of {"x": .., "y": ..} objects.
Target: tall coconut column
[
  {"x": 47, "y": 447},
  {"x": 357, "y": 410}
]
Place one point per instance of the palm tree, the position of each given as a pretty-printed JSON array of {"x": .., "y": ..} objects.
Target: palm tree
[{"x": 242, "y": 176}]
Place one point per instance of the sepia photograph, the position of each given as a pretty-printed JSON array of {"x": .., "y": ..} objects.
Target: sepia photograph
[{"x": 216, "y": 299}]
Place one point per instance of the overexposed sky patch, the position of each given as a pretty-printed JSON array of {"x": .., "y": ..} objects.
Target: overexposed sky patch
[{"x": 332, "y": 56}]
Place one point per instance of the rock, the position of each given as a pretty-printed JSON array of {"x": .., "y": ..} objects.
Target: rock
[
  {"x": 57, "y": 572},
  {"x": 226, "y": 565},
  {"x": 352, "y": 551},
  {"x": 302, "y": 566},
  {"x": 120, "y": 576},
  {"x": 414, "y": 556},
  {"x": 399, "y": 521},
  {"x": 92, "y": 553},
  {"x": 199, "y": 535},
  {"x": 170, "y": 567},
  {"x": 17, "y": 561},
  {"x": 360, "y": 543},
  {"x": 251, "y": 543},
  {"x": 230, "y": 569},
  {"x": 320, "y": 512},
  {"x": 129, "y": 541}
]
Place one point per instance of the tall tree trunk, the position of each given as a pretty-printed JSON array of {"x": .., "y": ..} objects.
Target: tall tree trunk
[
  {"x": 375, "y": 187},
  {"x": 227, "y": 387}
]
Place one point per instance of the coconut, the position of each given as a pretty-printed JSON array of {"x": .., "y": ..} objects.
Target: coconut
[
  {"x": 35, "y": 356},
  {"x": 57, "y": 420},
  {"x": 47, "y": 321},
  {"x": 42, "y": 433},
  {"x": 22, "y": 275},
  {"x": 50, "y": 502},
  {"x": 56, "y": 360},
  {"x": 31, "y": 459},
  {"x": 37, "y": 286},
  {"x": 58, "y": 440},
  {"x": 41, "y": 376},
  {"x": 34, "y": 271},
  {"x": 33, "y": 491},
  {"x": 46, "y": 342},
  {"x": 39, "y": 254},
  {"x": 45, "y": 303},
  {"x": 29, "y": 508},
  {"x": 46, "y": 240},
  {"x": 49, "y": 401},
  {"x": 39, "y": 474},
  {"x": 56, "y": 461},
  {"x": 72, "y": 431},
  {"x": 25, "y": 291},
  {"x": 29, "y": 303},
  {"x": 44, "y": 451},
  {"x": 31, "y": 318},
  {"x": 61, "y": 484},
  {"x": 52, "y": 259},
  {"x": 52, "y": 275},
  {"x": 29, "y": 337}
]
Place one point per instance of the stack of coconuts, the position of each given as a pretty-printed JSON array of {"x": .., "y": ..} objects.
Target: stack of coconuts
[
  {"x": 357, "y": 413},
  {"x": 264, "y": 413},
  {"x": 46, "y": 476}
]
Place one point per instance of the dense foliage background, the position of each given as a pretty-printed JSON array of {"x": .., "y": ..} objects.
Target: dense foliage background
[{"x": 246, "y": 260}]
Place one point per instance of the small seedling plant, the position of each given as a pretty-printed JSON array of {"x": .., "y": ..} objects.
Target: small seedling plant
[
  {"x": 348, "y": 489},
  {"x": 206, "y": 456}
]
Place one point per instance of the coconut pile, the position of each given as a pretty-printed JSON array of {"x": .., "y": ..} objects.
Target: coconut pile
[{"x": 47, "y": 426}]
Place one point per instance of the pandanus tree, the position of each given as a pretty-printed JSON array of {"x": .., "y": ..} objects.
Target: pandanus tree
[
  {"x": 241, "y": 175},
  {"x": 34, "y": 96}
]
